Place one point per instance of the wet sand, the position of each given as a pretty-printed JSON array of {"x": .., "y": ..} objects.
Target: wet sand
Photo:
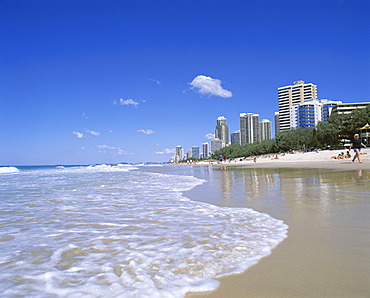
[{"x": 327, "y": 207}]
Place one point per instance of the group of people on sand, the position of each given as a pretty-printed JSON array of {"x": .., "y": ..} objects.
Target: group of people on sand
[
  {"x": 342, "y": 155},
  {"x": 356, "y": 145}
]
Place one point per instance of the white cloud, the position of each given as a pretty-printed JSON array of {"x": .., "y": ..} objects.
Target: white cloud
[
  {"x": 166, "y": 151},
  {"x": 79, "y": 135},
  {"x": 122, "y": 152},
  {"x": 156, "y": 81},
  {"x": 146, "y": 131},
  {"x": 106, "y": 147},
  {"x": 126, "y": 102},
  {"x": 207, "y": 85},
  {"x": 118, "y": 150},
  {"x": 210, "y": 136},
  {"x": 93, "y": 133},
  {"x": 84, "y": 116}
]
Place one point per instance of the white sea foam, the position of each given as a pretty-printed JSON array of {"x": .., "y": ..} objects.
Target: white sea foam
[
  {"x": 5, "y": 170},
  {"x": 64, "y": 234}
]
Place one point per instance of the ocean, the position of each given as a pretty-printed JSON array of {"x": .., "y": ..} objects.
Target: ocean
[{"x": 120, "y": 231}]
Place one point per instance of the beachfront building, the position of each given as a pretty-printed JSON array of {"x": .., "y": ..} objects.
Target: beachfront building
[
  {"x": 306, "y": 114},
  {"x": 235, "y": 138},
  {"x": 265, "y": 130},
  {"x": 179, "y": 154},
  {"x": 277, "y": 125},
  {"x": 195, "y": 152},
  {"x": 327, "y": 108},
  {"x": 222, "y": 131},
  {"x": 347, "y": 108},
  {"x": 190, "y": 153},
  {"x": 292, "y": 95},
  {"x": 216, "y": 144},
  {"x": 309, "y": 113},
  {"x": 205, "y": 150},
  {"x": 249, "y": 128}
]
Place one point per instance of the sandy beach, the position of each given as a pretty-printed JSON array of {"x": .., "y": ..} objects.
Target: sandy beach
[
  {"x": 325, "y": 202},
  {"x": 301, "y": 159}
]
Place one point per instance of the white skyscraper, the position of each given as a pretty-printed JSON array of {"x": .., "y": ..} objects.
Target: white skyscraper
[
  {"x": 249, "y": 128},
  {"x": 222, "y": 131},
  {"x": 291, "y": 95},
  {"x": 265, "y": 130},
  {"x": 179, "y": 155}
]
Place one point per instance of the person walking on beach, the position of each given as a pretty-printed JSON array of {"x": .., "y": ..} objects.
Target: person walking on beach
[{"x": 356, "y": 145}]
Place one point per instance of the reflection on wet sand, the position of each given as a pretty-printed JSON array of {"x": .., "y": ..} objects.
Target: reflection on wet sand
[
  {"x": 327, "y": 212},
  {"x": 312, "y": 190}
]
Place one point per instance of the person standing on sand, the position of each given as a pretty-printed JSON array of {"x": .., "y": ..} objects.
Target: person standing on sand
[{"x": 356, "y": 144}]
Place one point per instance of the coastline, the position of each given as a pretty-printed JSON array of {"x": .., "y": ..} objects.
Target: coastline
[
  {"x": 325, "y": 252},
  {"x": 320, "y": 159}
]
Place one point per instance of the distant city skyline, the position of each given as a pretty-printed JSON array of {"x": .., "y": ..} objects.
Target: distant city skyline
[{"x": 304, "y": 112}]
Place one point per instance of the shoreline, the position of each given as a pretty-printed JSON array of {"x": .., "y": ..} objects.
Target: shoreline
[
  {"x": 325, "y": 252},
  {"x": 320, "y": 159}
]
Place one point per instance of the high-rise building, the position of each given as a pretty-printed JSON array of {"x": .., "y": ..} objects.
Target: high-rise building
[
  {"x": 277, "y": 123},
  {"x": 249, "y": 128},
  {"x": 190, "y": 153},
  {"x": 235, "y": 138},
  {"x": 265, "y": 130},
  {"x": 205, "y": 150},
  {"x": 216, "y": 144},
  {"x": 309, "y": 113},
  {"x": 195, "y": 152},
  {"x": 305, "y": 115},
  {"x": 222, "y": 131},
  {"x": 291, "y": 95},
  {"x": 179, "y": 154}
]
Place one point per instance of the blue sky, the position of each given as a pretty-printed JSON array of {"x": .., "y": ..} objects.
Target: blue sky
[{"x": 84, "y": 82}]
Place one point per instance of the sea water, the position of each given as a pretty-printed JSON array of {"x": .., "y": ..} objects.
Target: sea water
[{"x": 120, "y": 231}]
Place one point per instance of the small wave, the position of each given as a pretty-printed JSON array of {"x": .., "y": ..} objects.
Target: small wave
[
  {"x": 4, "y": 170},
  {"x": 112, "y": 168}
]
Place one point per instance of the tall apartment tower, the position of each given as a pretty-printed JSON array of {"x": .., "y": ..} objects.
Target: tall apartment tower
[
  {"x": 179, "y": 155},
  {"x": 195, "y": 152},
  {"x": 222, "y": 131},
  {"x": 249, "y": 128},
  {"x": 291, "y": 95},
  {"x": 205, "y": 150},
  {"x": 235, "y": 138},
  {"x": 277, "y": 125},
  {"x": 265, "y": 130}
]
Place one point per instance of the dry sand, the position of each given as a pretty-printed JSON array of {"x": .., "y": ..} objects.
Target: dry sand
[
  {"x": 327, "y": 256},
  {"x": 319, "y": 159}
]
